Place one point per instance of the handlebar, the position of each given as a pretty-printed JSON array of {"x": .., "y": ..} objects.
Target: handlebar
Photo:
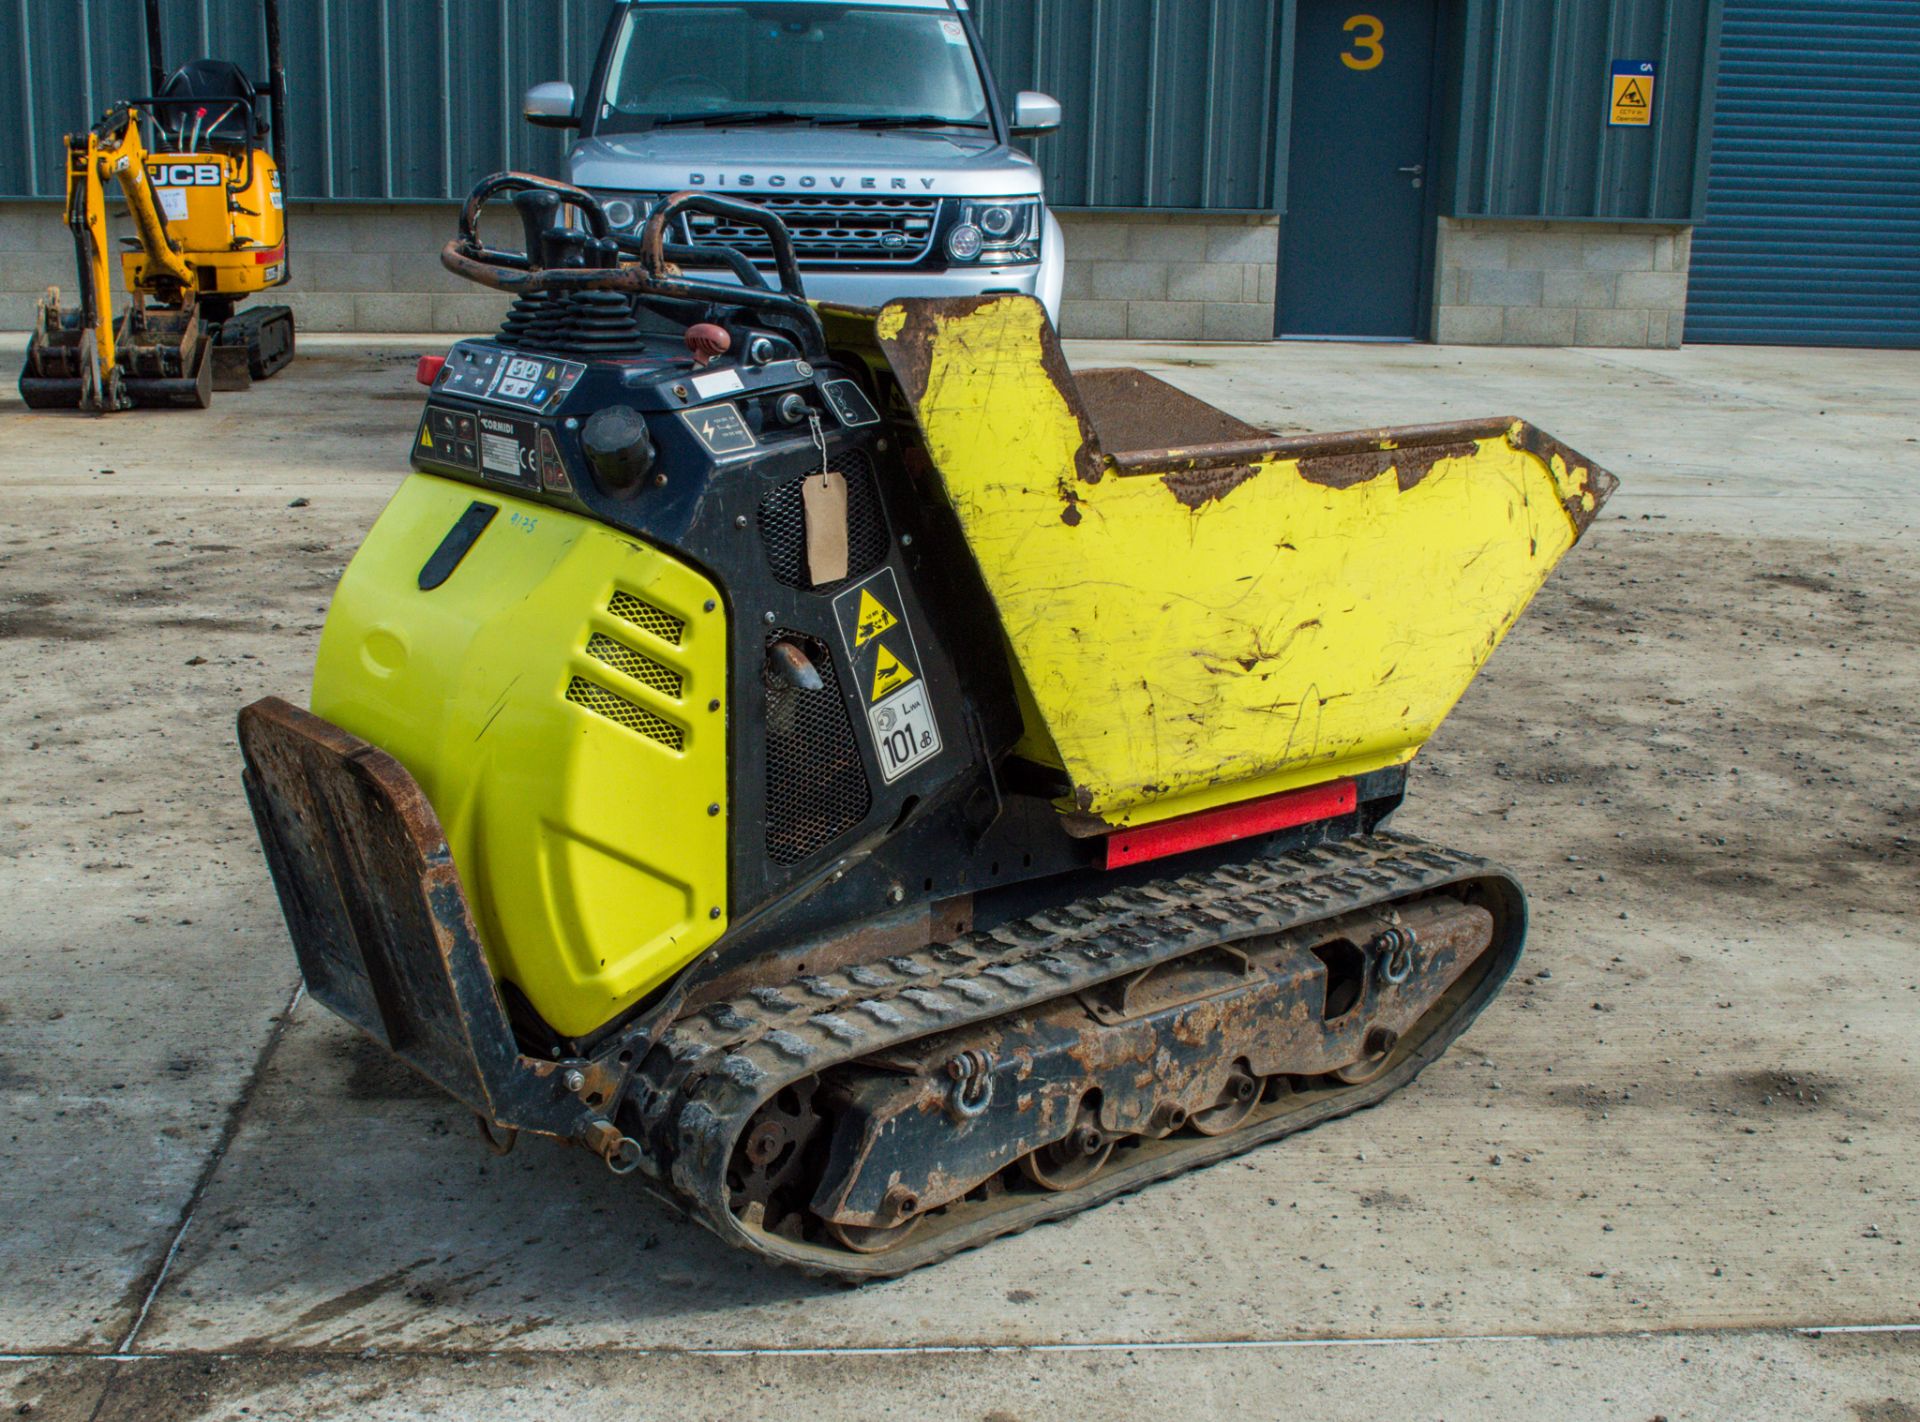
[
  {"x": 653, "y": 238},
  {"x": 654, "y": 274}
]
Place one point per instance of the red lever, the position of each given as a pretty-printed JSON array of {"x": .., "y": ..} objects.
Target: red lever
[
  {"x": 427, "y": 369},
  {"x": 706, "y": 341}
]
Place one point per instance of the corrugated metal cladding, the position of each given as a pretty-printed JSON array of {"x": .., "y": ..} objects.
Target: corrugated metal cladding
[
  {"x": 1169, "y": 103},
  {"x": 1812, "y": 232},
  {"x": 388, "y": 98},
  {"x": 1533, "y": 90}
]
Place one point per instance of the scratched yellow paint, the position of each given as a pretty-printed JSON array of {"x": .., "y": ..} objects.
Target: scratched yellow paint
[{"x": 1283, "y": 634}]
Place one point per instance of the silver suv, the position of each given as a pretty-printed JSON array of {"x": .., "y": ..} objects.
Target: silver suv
[{"x": 871, "y": 126}]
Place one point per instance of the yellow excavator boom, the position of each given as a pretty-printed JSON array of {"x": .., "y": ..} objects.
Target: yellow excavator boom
[{"x": 113, "y": 149}]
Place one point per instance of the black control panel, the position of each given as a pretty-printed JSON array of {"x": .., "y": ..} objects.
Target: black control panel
[
  {"x": 478, "y": 371},
  {"x": 513, "y": 419}
]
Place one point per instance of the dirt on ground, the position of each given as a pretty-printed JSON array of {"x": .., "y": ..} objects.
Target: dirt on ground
[{"x": 1690, "y": 1112}]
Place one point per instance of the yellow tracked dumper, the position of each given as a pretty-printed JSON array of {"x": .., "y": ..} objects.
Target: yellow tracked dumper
[{"x": 881, "y": 787}]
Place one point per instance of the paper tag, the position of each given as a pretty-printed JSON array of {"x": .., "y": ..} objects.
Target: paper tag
[
  {"x": 173, "y": 203},
  {"x": 823, "y": 501}
]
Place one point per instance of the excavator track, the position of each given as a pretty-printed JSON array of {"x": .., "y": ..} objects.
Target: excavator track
[
  {"x": 252, "y": 345},
  {"x": 777, "y": 1055}
]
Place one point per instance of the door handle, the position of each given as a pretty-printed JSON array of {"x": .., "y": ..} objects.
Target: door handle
[{"x": 1413, "y": 170}]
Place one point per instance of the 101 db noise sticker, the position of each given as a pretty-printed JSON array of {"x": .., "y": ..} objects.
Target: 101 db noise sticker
[{"x": 886, "y": 671}]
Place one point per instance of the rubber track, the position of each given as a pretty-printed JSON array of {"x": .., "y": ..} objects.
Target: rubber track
[{"x": 710, "y": 1071}]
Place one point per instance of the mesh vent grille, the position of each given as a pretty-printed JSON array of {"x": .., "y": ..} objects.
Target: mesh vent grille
[
  {"x": 816, "y": 786},
  {"x": 647, "y": 617},
  {"x": 618, "y": 709},
  {"x": 628, "y": 662},
  {"x": 783, "y": 526}
]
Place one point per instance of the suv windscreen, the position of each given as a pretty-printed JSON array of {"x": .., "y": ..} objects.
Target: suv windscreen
[{"x": 773, "y": 63}]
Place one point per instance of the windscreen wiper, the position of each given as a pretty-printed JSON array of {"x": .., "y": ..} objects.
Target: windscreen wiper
[
  {"x": 901, "y": 121},
  {"x": 735, "y": 116}
]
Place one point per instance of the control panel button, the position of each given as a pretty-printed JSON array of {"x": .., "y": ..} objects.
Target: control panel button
[
  {"x": 448, "y": 437},
  {"x": 850, "y": 404}
]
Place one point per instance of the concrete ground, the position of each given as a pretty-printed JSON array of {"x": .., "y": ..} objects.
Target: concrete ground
[{"x": 1672, "y": 1172}]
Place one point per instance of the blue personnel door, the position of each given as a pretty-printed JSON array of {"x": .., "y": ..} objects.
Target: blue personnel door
[{"x": 1353, "y": 243}]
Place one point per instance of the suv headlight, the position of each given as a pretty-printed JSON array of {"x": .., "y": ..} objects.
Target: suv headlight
[
  {"x": 627, "y": 212},
  {"x": 995, "y": 230}
]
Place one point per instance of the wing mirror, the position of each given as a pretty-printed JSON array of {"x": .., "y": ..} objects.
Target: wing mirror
[
  {"x": 1034, "y": 113},
  {"x": 550, "y": 105}
]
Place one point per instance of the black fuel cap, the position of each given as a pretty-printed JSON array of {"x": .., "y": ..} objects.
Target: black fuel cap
[{"x": 617, "y": 446}]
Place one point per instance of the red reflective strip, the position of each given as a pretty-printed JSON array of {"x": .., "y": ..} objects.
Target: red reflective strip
[
  {"x": 1231, "y": 822},
  {"x": 260, "y": 259}
]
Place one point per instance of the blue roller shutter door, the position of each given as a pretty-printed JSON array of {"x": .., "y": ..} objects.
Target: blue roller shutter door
[{"x": 1812, "y": 232}]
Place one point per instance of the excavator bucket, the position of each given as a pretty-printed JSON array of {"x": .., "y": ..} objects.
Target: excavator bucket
[
  {"x": 1200, "y": 612},
  {"x": 164, "y": 360}
]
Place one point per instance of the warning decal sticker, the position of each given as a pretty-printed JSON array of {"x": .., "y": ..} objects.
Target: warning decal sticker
[
  {"x": 885, "y": 666},
  {"x": 1632, "y": 102},
  {"x": 873, "y": 619},
  {"x": 720, "y": 429},
  {"x": 889, "y": 675}
]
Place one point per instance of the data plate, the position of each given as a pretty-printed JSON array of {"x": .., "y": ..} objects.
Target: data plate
[{"x": 507, "y": 451}]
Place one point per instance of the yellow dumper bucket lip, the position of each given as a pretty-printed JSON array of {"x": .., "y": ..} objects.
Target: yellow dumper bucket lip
[
  {"x": 1352, "y": 456},
  {"x": 1199, "y": 612}
]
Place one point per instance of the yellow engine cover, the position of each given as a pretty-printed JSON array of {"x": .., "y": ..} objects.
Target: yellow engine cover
[
  {"x": 226, "y": 213},
  {"x": 1198, "y": 626},
  {"x": 554, "y": 699}
]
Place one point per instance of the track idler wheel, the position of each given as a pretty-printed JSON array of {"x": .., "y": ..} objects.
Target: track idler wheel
[
  {"x": 1230, "y": 1110},
  {"x": 873, "y": 1239},
  {"x": 1074, "y": 1159},
  {"x": 1379, "y": 1056}
]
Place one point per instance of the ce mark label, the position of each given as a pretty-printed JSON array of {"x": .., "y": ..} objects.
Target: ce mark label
[{"x": 886, "y": 672}]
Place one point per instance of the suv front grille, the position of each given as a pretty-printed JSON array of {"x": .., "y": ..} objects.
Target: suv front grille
[{"x": 869, "y": 230}]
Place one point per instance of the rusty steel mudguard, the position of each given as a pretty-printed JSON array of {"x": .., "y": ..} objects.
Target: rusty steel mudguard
[{"x": 383, "y": 933}]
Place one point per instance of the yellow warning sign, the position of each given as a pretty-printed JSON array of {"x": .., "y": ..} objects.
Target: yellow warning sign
[
  {"x": 872, "y": 619},
  {"x": 426, "y": 440},
  {"x": 1632, "y": 94},
  {"x": 889, "y": 674}
]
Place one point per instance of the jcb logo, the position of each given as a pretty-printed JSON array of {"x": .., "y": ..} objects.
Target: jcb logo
[{"x": 184, "y": 175}]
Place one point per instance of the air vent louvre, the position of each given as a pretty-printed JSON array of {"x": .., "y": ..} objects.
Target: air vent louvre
[
  {"x": 647, "y": 617},
  {"x": 628, "y": 662},
  {"x": 622, "y": 711}
]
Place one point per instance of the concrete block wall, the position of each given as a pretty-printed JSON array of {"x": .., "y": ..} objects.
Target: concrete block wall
[
  {"x": 1169, "y": 276},
  {"x": 36, "y": 252},
  {"x": 1560, "y": 284},
  {"x": 377, "y": 268},
  {"x": 355, "y": 268},
  {"x": 368, "y": 267}
]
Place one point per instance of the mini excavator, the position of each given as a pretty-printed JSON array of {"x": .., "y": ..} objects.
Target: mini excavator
[
  {"x": 878, "y": 785},
  {"x": 209, "y": 216}
]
